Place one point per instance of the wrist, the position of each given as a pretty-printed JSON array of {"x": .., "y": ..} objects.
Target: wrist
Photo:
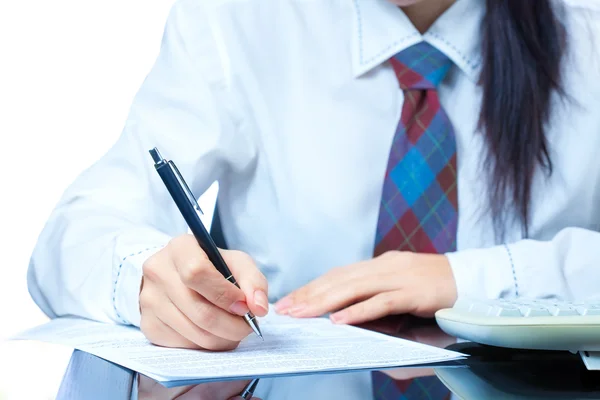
[{"x": 440, "y": 277}]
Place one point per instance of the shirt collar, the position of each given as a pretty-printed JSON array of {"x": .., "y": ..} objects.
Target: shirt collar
[{"x": 382, "y": 30}]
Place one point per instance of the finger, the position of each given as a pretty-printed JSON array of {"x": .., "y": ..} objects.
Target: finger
[
  {"x": 155, "y": 330},
  {"x": 358, "y": 277},
  {"x": 176, "y": 320},
  {"x": 340, "y": 288},
  {"x": 300, "y": 296},
  {"x": 206, "y": 315},
  {"x": 252, "y": 282},
  {"x": 196, "y": 309},
  {"x": 160, "y": 334},
  {"x": 198, "y": 273},
  {"x": 378, "y": 306},
  {"x": 323, "y": 302}
]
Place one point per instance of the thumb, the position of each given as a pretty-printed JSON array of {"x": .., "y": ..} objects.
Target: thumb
[{"x": 252, "y": 282}]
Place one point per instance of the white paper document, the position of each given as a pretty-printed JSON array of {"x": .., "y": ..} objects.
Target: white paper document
[
  {"x": 291, "y": 347},
  {"x": 591, "y": 359}
]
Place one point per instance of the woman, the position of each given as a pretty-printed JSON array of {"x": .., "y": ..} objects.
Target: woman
[{"x": 374, "y": 157}]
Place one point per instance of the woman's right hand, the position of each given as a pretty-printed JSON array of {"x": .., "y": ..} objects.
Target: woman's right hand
[{"x": 186, "y": 303}]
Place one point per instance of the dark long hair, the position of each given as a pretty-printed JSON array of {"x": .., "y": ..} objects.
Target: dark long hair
[{"x": 523, "y": 47}]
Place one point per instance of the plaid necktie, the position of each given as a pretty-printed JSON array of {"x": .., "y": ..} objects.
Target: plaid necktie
[{"x": 419, "y": 203}]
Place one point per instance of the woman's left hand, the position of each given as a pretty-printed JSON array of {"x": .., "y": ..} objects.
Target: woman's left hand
[{"x": 391, "y": 284}]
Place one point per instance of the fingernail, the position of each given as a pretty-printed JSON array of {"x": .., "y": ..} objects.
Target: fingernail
[
  {"x": 298, "y": 310},
  {"x": 260, "y": 299},
  {"x": 283, "y": 304},
  {"x": 239, "y": 308},
  {"x": 338, "y": 317}
]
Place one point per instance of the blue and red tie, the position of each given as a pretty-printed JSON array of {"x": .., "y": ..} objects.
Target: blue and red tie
[{"x": 419, "y": 203}]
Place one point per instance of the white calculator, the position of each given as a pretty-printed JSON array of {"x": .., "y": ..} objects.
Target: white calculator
[{"x": 525, "y": 324}]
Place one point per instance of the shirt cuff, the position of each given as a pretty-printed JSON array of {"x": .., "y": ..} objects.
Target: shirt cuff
[
  {"x": 130, "y": 256},
  {"x": 484, "y": 273}
]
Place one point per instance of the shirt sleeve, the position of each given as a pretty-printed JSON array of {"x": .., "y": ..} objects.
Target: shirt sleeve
[
  {"x": 88, "y": 259},
  {"x": 566, "y": 268}
]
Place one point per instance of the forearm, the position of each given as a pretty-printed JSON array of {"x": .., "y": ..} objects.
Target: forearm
[
  {"x": 117, "y": 213},
  {"x": 90, "y": 265},
  {"x": 566, "y": 267}
]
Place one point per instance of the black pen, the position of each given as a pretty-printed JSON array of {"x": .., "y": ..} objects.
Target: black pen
[{"x": 190, "y": 210}]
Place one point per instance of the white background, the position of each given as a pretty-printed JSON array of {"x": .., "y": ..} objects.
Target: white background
[{"x": 68, "y": 72}]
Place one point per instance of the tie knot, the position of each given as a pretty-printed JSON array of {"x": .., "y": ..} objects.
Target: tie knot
[{"x": 421, "y": 66}]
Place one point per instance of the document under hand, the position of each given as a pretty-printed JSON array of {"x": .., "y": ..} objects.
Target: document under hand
[{"x": 290, "y": 347}]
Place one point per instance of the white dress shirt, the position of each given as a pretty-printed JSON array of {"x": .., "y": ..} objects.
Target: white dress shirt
[{"x": 291, "y": 106}]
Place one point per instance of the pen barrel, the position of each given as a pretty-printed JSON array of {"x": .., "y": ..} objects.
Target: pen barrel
[{"x": 192, "y": 218}]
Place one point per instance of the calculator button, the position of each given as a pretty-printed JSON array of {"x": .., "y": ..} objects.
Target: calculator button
[
  {"x": 534, "y": 311},
  {"x": 588, "y": 309},
  {"x": 509, "y": 311},
  {"x": 561, "y": 310}
]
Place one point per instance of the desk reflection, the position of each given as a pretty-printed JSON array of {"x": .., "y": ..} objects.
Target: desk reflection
[
  {"x": 416, "y": 330},
  {"x": 149, "y": 389}
]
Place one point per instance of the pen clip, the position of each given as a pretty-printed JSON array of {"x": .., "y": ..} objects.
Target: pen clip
[{"x": 185, "y": 188}]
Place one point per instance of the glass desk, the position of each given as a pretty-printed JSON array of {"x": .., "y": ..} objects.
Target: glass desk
[{"x": 488, "y": 373}]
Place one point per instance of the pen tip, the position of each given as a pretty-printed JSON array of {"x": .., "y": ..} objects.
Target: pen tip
[
  {"x": 253, "y": 323},
  {"x": 253, "y": 385},
  {"x": 258, "y": 332},
  {"x": 156, "y": 156}
]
